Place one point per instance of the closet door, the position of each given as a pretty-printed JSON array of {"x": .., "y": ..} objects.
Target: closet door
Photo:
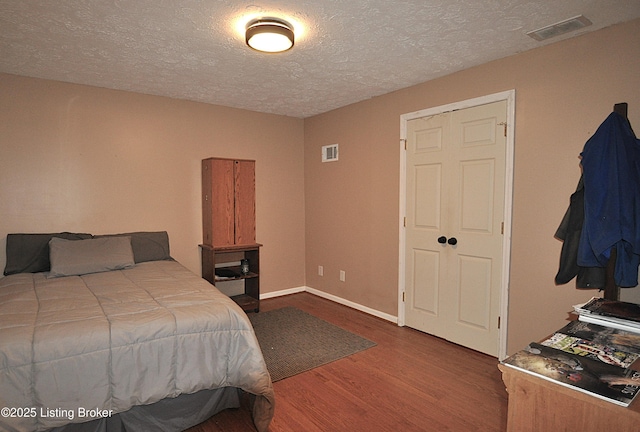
[{"x": 455, "y": 202}]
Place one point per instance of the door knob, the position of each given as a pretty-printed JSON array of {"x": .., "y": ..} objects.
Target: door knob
[
  {"x": 452, "y": 241},
  {"x": 442, "y": 239}
]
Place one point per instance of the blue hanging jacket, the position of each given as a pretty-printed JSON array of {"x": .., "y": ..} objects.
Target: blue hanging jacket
[{"x": 611, "y": 170}]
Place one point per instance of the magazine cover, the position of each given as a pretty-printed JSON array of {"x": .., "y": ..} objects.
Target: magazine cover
[
  {"x": 589, "y": 349},
  {"x": 607, "y": 382},
  {"x": 617, "y": 339}
]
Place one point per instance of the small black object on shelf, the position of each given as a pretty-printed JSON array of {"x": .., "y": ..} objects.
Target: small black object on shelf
[{"x": 227, "y": 273}]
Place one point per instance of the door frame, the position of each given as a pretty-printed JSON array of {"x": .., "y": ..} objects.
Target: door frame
[{"x": 508, "y": 96}]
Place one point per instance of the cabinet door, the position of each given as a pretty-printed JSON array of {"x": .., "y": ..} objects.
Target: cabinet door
[
  {"x": 218, "y": 202},
  {"x": 245, "y": 203}
]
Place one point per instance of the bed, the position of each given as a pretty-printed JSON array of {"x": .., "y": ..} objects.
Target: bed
[{"x": 109, "y": 333}]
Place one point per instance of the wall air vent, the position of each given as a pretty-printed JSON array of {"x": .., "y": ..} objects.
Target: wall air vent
[
  {"x": 330, "y": 153},
  {"x": 559, "y": 28}
]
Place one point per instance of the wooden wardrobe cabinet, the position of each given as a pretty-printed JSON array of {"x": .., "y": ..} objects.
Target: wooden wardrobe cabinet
[
  {"x": 229, "y": 226},
  {"x": 228, "y": 202}
]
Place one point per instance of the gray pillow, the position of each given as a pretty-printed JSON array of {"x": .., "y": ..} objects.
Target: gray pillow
[
  {"x": 78, "y": 257},
  {"x": 29, "y": 253},
  {"x": 147, "y": 245}
]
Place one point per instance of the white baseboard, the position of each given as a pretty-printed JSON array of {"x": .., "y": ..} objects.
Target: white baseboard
[
  {"x": 340, "y": 300},
  {"x": 281, "y": 293}
]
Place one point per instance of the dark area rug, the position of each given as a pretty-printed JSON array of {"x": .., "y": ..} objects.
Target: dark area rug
[{"x": 293, "y": 341}]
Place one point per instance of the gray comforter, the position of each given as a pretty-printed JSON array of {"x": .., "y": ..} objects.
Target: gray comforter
[{"x": 77, "y": 348}]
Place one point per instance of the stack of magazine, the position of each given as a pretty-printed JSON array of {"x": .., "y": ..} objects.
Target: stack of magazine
[
  {"x": 610, "y": 313},
  {"x": 598, "y": 354}
]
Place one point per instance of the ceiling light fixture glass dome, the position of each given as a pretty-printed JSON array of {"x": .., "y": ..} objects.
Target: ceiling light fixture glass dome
[{"x": 270, "y": 35}]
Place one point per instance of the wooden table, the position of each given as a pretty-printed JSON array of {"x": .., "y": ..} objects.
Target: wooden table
[{"x": 537, "y": 405}]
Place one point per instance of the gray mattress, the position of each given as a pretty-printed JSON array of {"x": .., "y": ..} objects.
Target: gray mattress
[{"x": 147, "y": 344}]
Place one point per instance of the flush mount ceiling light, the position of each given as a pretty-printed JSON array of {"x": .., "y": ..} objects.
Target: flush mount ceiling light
[{"x": 270, "y": 35}]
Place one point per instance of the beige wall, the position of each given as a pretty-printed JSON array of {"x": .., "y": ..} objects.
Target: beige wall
[
  {"x": 85, "y": 159},
  {"x": 80, "y": 158},
  {"x": 563, "y": 92}
]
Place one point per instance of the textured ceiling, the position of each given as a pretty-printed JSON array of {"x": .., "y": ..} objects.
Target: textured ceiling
[{"x": 346, "y": 50}]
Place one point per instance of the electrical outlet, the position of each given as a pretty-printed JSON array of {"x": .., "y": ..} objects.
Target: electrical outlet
[
  {"x": 320, "y": 271},
  {"x": 343, "y": 275}
]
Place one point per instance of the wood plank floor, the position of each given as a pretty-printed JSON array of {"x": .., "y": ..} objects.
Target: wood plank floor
[{"x": 410, "y": 381}]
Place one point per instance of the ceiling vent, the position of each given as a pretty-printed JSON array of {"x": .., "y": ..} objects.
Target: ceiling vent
[
  {"x": 330, "y": 153},
  {"x": 559, "y": 28}
]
